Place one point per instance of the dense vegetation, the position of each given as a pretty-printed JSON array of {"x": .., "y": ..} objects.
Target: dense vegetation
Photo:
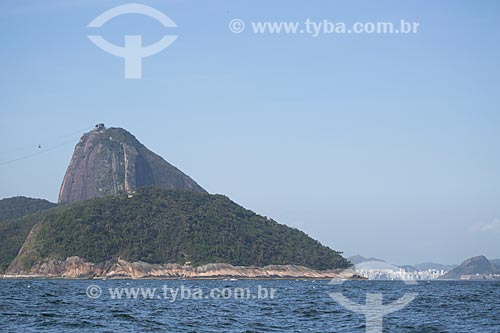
[
  {"x": 162, "y": 226},
  {"x": 13, "y": 231},
  {"x": 15, "y": 207}
]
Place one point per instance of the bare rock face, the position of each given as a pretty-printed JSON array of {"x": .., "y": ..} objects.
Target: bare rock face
[
  {"x": 75, "y": 267},
  {"x": 108, "y": 161}
]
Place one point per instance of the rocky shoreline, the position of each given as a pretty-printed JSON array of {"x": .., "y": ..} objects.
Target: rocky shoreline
[{"x": 77, "y": 268}]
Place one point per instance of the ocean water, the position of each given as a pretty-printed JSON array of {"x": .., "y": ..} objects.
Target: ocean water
[{"x": 42, "y": 305}]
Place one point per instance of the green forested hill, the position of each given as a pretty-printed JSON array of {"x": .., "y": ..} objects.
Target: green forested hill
[
  {"x": 15, "y": 207},
  {"x": 171, "y": 226},
  {"x": 13, "y": 231}
]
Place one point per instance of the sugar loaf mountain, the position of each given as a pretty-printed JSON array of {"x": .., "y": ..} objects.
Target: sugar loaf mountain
[{"x": 124, "y": 211}]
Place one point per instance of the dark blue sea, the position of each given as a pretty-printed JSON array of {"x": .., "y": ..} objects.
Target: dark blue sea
[{"x": 242, "y": 306}]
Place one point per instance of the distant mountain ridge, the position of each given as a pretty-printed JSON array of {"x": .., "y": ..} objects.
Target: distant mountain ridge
[
  {"x": 432, "y": 265},
  {"x": 375, "y": 263},
  {"x": 382, "y": 265},
  {"x": 109, "y": 161},
  {"x": 495, "y": 262},
  {"x": 357, "y": 259},
  {"x": 472, "y": 266}
]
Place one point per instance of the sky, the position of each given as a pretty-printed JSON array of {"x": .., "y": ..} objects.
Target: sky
[{"x": 383, "y": 145}]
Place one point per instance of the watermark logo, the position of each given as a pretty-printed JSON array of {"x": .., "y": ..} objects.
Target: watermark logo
[
  {"x": 173, "y": 294},
  {"x": 324, "y": 27},
  {"x": 93, "y": 291},
  {"x": 374, "y": 309},
  {"x": 133, "y": 52},
  {"x": 236, "y": 26}
]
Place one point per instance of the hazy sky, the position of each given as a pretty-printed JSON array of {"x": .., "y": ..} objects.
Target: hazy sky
[{"x": 383, "y": 145}]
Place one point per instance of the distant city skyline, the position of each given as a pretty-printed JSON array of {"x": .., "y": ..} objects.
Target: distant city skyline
[{"x": 381, "y": 145}]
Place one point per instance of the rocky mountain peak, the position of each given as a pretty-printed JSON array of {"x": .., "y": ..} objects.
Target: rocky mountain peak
[{"x": 108, "y": 161}]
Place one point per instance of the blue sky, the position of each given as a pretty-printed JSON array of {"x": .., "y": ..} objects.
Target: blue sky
[{"x": 383, "y": 145}]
